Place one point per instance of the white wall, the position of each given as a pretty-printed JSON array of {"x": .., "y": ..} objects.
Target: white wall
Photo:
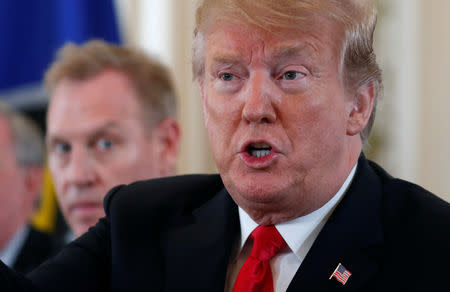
[
  {"x": 397, "y": 146},
  {"x": 413, "y": 46},
  {"x": 434, "y": 75}
]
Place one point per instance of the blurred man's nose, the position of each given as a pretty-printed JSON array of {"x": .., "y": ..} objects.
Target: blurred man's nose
[
  {"x": 259, "y": 98},
  {"x": 81, "y": 169}
]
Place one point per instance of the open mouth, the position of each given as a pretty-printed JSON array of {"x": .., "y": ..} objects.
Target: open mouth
[{"x": 259, "y": 149}]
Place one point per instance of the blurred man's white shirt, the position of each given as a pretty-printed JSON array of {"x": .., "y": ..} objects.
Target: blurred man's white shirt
[{"x": 9, "y": 254}]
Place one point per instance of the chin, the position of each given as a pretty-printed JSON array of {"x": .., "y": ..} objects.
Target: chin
[
  {"x": 80, "y": 229},
  {"x": 255, "y": 190}
]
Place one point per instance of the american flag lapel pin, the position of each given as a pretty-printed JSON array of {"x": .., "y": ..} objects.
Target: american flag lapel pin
[{"x": 341, "y": 274}]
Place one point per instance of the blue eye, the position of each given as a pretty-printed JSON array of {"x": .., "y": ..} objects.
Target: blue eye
[
  {"x": 104, "y": 144},
  {"x": 226, "y": 76},
  {"x": 62, "y": 148},
  {"x": 292, "y": 75}
]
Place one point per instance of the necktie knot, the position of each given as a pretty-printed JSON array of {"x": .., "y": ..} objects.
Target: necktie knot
[
  {"x": 256, "y": 275},
  {"x": 267, "y": 242}
]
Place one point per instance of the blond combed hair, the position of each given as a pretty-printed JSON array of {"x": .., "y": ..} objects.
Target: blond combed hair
[
  {"x": 150, "y": 79},
  {"x": 357, "y": 18}
]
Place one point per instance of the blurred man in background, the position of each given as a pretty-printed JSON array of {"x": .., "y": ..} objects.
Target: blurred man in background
[
  {"x": 111, "y": 120},
  {"x": 21, "y": 168}
]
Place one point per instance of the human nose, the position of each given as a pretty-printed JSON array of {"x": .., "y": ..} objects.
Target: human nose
[
  {"x": 81, "y": 168},
  {"x": 259, "y": 101}
]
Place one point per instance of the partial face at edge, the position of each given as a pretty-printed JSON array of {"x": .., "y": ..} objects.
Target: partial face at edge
[{"x": 16, "y": 201}]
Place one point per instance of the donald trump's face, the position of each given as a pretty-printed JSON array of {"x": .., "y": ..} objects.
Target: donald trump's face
[{"x": 278, "y": 115}]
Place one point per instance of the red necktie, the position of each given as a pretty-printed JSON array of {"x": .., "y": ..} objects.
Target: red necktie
[{"x": 255, "y": 274}]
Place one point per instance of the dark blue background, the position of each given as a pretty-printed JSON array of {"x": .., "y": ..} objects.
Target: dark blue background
[{"x": 32, "y": 30}]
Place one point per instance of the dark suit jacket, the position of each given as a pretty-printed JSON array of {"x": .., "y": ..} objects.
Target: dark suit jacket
[
  {"x": 38, "y": 247},
  {"x": 176, "y": 234}
]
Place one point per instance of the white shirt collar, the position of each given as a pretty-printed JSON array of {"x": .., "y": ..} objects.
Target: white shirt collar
[
  {"x": 297, "y": 231},
  {"x": 9, "y": 254}
]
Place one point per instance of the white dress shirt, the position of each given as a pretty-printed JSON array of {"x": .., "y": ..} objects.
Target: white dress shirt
[
  {"x": 299, "y": 235},
  {"x": 9, "y": 254}
]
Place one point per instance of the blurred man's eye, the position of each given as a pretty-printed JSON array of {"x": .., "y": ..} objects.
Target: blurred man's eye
[
  {"x": 62, "y": 148},
  {"x": 104, "y": 144}
]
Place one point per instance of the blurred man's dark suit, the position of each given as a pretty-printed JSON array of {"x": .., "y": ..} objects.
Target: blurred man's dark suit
[
  {"x": 37, "y": 247},
  {"x": 177, "y": 234}
]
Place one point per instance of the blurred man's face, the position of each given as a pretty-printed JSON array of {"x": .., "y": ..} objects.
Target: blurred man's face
[
  {"x": 276, "y": 112},
  {"x": 15, "y": 200},
  {"x": 96, "y": 140}
]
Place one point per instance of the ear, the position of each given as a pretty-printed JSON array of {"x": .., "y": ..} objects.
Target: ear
[
  {"x": 360, "y": 108},
  {"x": 167, "y": 136},
  {"x": 33, "y": 180}
]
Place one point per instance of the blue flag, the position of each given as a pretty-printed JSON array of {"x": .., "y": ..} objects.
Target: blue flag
[{"x": 31, "y": 32}]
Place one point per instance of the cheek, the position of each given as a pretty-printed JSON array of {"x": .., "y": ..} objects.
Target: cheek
[
  {"x": 53, "y": 167},
  {"x": 213, "y": 113},
  {"x": 221, "y": 111},
  {"x": 8, "y": 187},
  {"x": 62, "y": 200},
  {"x": 57, "y": 170},
  {"x": 222, "y": 118},
  {"x": 312, "y": 123},
  {"x": 222, "y": 121},
  {"x": 213, "y": 108}
]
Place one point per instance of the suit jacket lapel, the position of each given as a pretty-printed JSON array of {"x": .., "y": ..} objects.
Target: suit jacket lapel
[
  {"x": 352, "y": 236},
  {"x": 197, "y": 249}
]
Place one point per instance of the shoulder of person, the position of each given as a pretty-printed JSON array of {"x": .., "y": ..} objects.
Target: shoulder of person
[
  {"x": 413, "y": 212},
  {"x": 416, "y": 233},
  {"x": 411, "y": 199},
  {"x": 163, "y": 196}
]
